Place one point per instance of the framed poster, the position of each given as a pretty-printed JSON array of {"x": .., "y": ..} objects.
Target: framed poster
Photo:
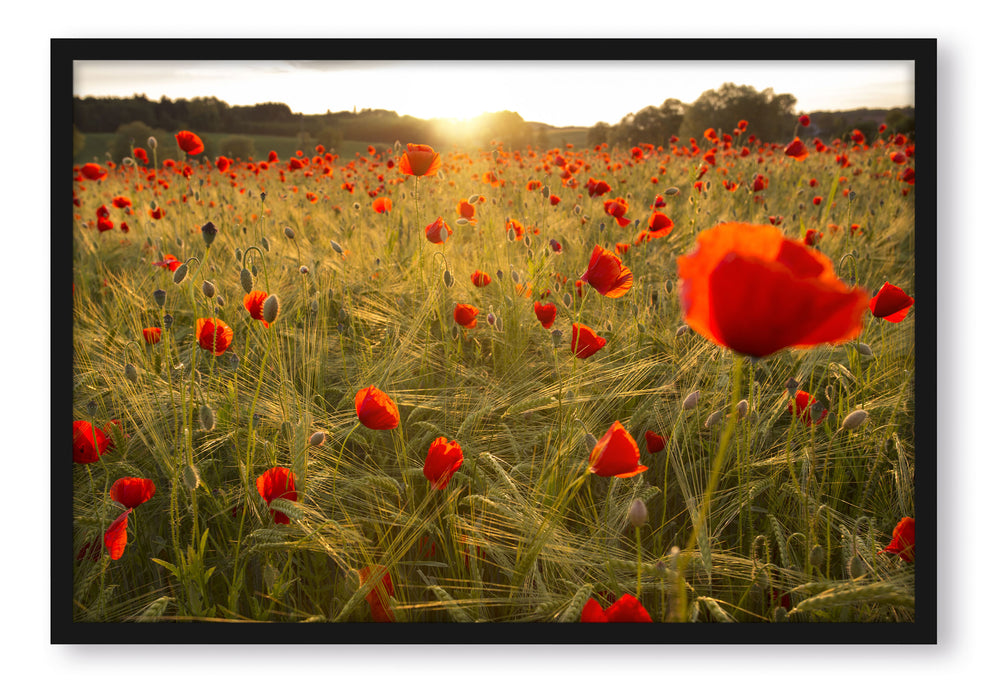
[{"x": 364, "y": 334}]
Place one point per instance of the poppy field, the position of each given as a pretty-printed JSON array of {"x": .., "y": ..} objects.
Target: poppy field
[{"x": 666, "y": 383}]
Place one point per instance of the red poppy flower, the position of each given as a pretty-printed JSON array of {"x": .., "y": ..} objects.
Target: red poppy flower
[
  {"x": 277, "y": 482},
  {"x": 534, "y": 185},
  {"x": 625, "y": 609},
  {"x": 375, "y": 409},
  {"x": 891, "y": 303},
  {"x": 596, "y": 188},
  {"x": 131, "y": 492},
  {"x": 214, "y": 335},
  {"x": 115, "y": 538},
  {"x": 419, "y": 160},
  {"x": 616, "y": 454},
  {"x": 223, "y": 163},
  {"x": 104, "y": 224},
  {"x": 796, "y": 150},
  {"x": 607, "y": 274},
  {"x": 804, "y": 120},
  {"x": 546, "y": 313},
  {"x": 466, "y": 210},
  {"x": 857, "y": 136},
  {"x": 902, "y": 543},
  {"x": 711, "y": 135},
  {"x": 438, "y": 231},
  {"x": 743, "y": 124},
  {"x": 254, "y": 302},
  {"x": 655, "y": 442},
  {"x": 480, "y": 279},
  {"x": 382, "y": 205},
  {"x": 121, "y": 202},
  {"x": 554, "y": 200},
  {"x": 380, "y": 595},
  {"x": 443, "y": 459},
  {"x": 584, "y": 341},
  {"x": 659, "y": 225},
  {"x": 189, "y": 142},
  {"x": 92, "y": 171},
  {"x": 152, "y": 335},
  {"x": 170, "y": 261},
  {"x": 760, "y": 182},
  {"x": 156, "y": 213},
  {"x": 803, "y": 400},
  {"x": 272, "y": 157},
  {"x": 750, "y": 289},
  {"x": 617, "y": 208},
  {"x": 88, "y": 443},
  {"x": 141, "y": 155},
  {"x": 466, "y": 315}
]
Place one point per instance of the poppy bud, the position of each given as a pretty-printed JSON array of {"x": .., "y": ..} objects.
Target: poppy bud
[
  {"x": 568, "y": 300},
  {"x": 266, "y": 245},
  {"x": 269, "y": 311},
  {"x": 167, "y": 321},
  {"x": 303, "y": 270},
  {"x": 515, "y": 277},
  {"x": 206, "y": 419},
  {"x": 691, "y": 400},
  {"x": 180, "y": 273},
  {"x": 91, "y": 408},
  {"x": 128, "y": 162},
  {"x": 638, "y": 514},
  {"x": 263, "y": 196},
  {"x": 864, "y": 349},
  {"x": 498, "y": 324},
  {"x": 209, "y": 233},
  {"x": 557, "y": 337},
  {"x": 233, "y": 359},
  {"x": 473, "y": 199},
  {"x": 190, "y": 477},
  {"x": 714, "y": 419},
  {"x": 546, "y": 192},
  {"x": 817, "y": 555},
  {"x": 460, "y": 222},
  {"x": 780, "y": 614},
  {"x": 856, "y": 566},
  {"x": 130, "y": 372},
  {"x": 220, "y": 301},
  {"x": 289, "y": 233},
  {"x": 336, "y": 247},
  {"x": 448, "y": 279},
  {"x": 238, "y": 254},
  {"x": 491, "y": 318},
  {"x": 159, "y": 296},
  {"x": 854, "y": 419},
  {"x": 247, "y": 280},
  {"x": 152, "y": 142},
  {"x": 681, "y": 331},
  {"x": 317, "y": 438},
  {"x": 742, "y": 408},
  {"x": 792, "y": 386},
  {"x": 209, "y": 290},
  {"x": 590, "y": 441},
  {"x": 671, "y": 191}
]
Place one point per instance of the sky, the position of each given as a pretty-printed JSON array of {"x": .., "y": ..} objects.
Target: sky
[{"x": 560, "y": 93}]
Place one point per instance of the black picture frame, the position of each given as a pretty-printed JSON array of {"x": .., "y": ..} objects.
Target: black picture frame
[{"x": 920, "y": 51}]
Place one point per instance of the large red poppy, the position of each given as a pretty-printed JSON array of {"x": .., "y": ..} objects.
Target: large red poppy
[
  {"x": 131, "y": 492},
  {"x": 379, "y": 598},
  {"x": 625, "y": 609},
  {"x": 189, "y": 142},
  {"x": 375, "y": 409},
  {"x": 659, "y": 225},
  {"x": 419, "y": 160},
  {"x": 277, "y": 482},
  {"x": 584, "y": 341},
  {"x": 607, "y": 274},
  {"x": 616, "y": 454},
  {"x": 891, "y": 303},
  {"x": 92, "y": 171},
  {"x": 88, "y": 443},
  {"x": 546, "y": 313},
  {"x": 466, "y": 315},
  {"x": 902, "y": 543},
  {"x": 214, "y": 335},
  {"x": 617, "y": 208},
  {"x": 254, "y": 302},
  {"x": 115, "y": 537},
  {"x": 750, "y": 289},
  {"x": 443, "y": 459}
]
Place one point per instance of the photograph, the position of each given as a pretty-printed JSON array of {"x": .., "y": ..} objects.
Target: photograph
[{"x": 435, "y": 332}]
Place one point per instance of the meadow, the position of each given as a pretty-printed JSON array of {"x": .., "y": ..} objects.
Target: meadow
[{"x": 321, "y": 388}]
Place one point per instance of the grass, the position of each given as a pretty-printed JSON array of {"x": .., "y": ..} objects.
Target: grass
[{"x": 791, "y": 530}]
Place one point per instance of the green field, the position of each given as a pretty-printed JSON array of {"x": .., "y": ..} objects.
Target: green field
[{"x": 757, "y": 515}]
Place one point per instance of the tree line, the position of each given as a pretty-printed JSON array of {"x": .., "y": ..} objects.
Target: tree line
[{"x": 770, "y": 117}]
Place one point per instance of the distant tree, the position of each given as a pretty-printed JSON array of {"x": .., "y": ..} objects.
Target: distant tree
[
  {"x": 867, "y": 127},
  {"x": 237, "y": 147},
  {"x": 331, "y": 138},
  {"x": 900, "y": 123},
  {"x": 598, "y": 134},
  {"x": 771, "y": 117}
]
